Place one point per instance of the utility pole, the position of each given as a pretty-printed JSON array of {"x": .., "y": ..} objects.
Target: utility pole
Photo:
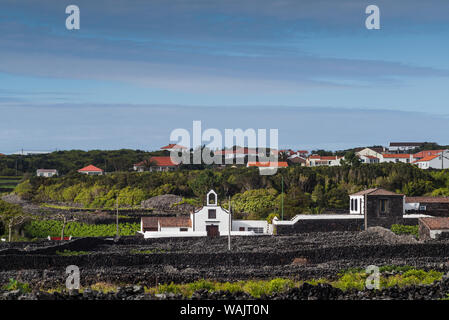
[
  {"x": 230, "y": 225},
  {"x": 282, "y": 199},
  {"x": 117, "y": 217}
]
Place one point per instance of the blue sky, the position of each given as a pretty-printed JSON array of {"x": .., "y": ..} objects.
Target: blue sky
[{"x": 138, "y": 69}]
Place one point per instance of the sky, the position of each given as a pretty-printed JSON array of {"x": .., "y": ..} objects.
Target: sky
[{"x": 136, "y": 70}]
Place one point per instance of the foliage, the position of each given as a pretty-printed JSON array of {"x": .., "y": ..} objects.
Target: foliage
[
  {"x": 256, "y": 288},
  {"x": 403, "y": 229},
  {"x": 17, "y": 285},
  {"x": 44, "y": 228},
  {"x": 148, "y": 251},
  {"x": 404, "y": 276},
  {"x": 69, "y": 253},
  {"x": 306, "y": 189}
]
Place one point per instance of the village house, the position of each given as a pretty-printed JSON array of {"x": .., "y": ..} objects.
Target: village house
[
  {"x": 267, "y": 168},
  {"x": 404, "y": 146},
  {"x": 48, "y": 173},
  {"x": 367, "y": 208},
  {"x": 211, "y": 220},
  {"x": 372, "y": 152},
  {"x": 435, "y": 161},
  {"x": 159, "y": 163},
  {"x": 174, "y": 147},
  {"x": 240, "y": 154},
  {"x": 369, "y": 159},
  {"x": 91, "y": 170},
  {"x": 317, "y": 160},
  {"x": 397, "y": 157},
  {"x": 426, "y": 153},
  {"x": 433, "y": 228}
]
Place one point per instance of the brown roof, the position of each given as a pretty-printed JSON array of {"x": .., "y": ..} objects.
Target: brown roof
[
  {"x": 427, "y": 199},
  {"x": 435, "y": 223},
  {"x": 174, "y": 222},
  {"x": 376, "y": 192},
  {"x": 406, "y": 144},
  {"x": 158, "y": 162}
]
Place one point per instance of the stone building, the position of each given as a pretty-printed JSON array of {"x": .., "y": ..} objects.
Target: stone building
[
  {"x": 380, "y": 207},
  {"x": 433, "y": 228}
]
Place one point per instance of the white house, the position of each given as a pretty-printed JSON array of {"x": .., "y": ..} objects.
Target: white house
[
  {"x": 48, "y": 173},
  {"x": 317, "y": 160},
  {"x": 211, "y": 220},
  {"x": 372, "y": 152},
  {"x": 437, "y": 161},
  {"x": 369, "y": 159},
  {"x": 397, "y": 157},
  {"x": 404, "y": 146},
  {"x": 91, "y": 170}
]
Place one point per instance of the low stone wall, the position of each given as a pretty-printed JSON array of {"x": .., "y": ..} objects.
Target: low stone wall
[
  {"x": 321, "y": 225},
  {"x": 46, "y": 258}
]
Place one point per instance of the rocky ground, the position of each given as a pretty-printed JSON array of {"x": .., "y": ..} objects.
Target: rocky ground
[{"x": 134, "y": 261}]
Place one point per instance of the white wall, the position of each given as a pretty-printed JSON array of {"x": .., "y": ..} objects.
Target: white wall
[
  {"x": 360, "y": 204},
  {"x": 201, "y": 217},
  {"x": 236, "y": 224}
]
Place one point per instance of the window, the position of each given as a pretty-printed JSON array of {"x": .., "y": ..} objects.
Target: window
[
  {"x": 212, "y": 214},
  {"x": 256, "y": 230},
  {"x": 352, "y": 204},
  {"x": 183, "y": 229},
  {"x": 355, "y": 205},
  {"x": 383, "y": 205},
  {"x": 422, "y": 208}
]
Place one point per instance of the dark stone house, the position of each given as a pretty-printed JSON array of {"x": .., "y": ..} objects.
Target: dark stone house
[{"x": 380, "y": 207}]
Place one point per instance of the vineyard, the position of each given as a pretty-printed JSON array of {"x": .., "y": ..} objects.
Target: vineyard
[
  {"x": 7, "y": 184},
  {"x": 44, "y": 228}
]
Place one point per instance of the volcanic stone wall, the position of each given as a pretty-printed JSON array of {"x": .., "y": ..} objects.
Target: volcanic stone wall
[
  {"x": 41, "y": 259},
  {"x": 375, "y": 217},
  {"x": 321, "y": 225}
]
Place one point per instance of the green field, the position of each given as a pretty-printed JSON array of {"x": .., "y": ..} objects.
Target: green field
[{"x": 7, "y": 184}]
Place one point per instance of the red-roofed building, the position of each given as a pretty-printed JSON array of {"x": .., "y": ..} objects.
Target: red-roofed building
[
  {"x": 437, "y": 161},
  {"x": 156, "y": 164},
  {"x": 174, "y": 147},
  {"x": 426, "y": 153},
  {"x": 317, "y": 160},
  {"x": 397, "y": 157},
  {"x": 279, "y": 164},
  {"x": 91, "y": 170}
]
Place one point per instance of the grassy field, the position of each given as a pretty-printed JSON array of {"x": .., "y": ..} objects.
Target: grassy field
[{"x": 7, "y": 184}]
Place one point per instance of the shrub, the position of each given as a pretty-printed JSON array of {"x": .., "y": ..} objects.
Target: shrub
[
  {"x": 400, "y": 229},
  {"x": 16, "y": 285}
]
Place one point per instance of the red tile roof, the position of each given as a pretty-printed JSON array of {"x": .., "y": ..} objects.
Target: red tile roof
[
  {"x": 158, "y": 162},
  {"x": 426, "y": 153},
  {"x": 398, "y": 155},
  {"x": 173, "y": 146},
  {"x": 268, "y": 164},
  {"x": 428, "y": 158},
  {"x": 317, "y": 157},
  {"x": 167, "y": 222},
  {"x": 240, "y": 150},
  {"x": 90, "y": 168}
]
